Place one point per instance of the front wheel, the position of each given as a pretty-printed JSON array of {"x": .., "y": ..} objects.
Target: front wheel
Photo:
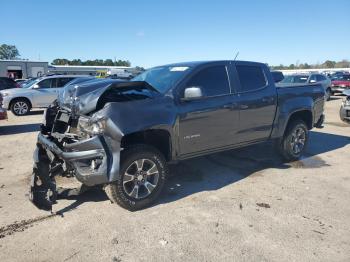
[
  {"x": 20, "y": 107},
  {"x": 294, "y": 141},
  {"x": 143, "y": 174}
]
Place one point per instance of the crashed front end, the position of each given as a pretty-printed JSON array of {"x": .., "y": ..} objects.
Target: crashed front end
[{"x": 86, "y": 146}]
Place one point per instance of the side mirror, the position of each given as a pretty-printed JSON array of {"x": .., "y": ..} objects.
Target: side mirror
[
  {"x": 312, "y": 81},
  {"x": 192, "y": 93},
  {"x": 36, "y": 86}
]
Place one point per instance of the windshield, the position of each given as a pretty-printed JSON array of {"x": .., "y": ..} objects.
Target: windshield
[
  {"x": 164, "y": 77},
  {"x": 29, "y": 83},
  {"x": 299, "y": 79}
]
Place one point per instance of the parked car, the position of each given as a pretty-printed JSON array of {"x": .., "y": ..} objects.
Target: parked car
[
  {"x": 123, "y": 134},
  {"x": 119, "y": 73},
  {"x": 341, "y": 84},
  {"x": 3, "y": 112},
  {"x": 337, "y": 75},
  {"x": 37, "y": 93},
  {"x": 7, "y": 83},
  {"x": 277, "y": 76},
  {"x": 297, "y": 79},
  {"x": 345, "y": 107}
]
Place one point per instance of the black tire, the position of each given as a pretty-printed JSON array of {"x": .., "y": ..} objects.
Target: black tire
[
  {"x": 328, "y": 94},
  {"x": 117, "y": 191},
  {"x": 286, "y": 145},
  {"x": 20, "y": 107}
]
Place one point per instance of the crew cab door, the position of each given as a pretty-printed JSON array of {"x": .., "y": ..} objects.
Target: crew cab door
[
  {"x": 257, "y": 101},
  {"x": 211, "y": 121}
]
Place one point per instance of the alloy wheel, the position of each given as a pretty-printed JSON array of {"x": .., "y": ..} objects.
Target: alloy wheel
[
  {"x": 140, "y": 178},
  {"x": 298, "y": 140},
  {"x": 20, "y": 108}
]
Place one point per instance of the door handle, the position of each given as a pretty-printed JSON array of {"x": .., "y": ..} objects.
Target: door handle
[{"x": 244, "y": 107}]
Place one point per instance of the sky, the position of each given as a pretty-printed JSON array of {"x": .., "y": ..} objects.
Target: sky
[{"x": 151, "y": 32}]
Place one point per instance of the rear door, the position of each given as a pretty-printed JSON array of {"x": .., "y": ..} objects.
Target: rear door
[
  {"x": 257, "y": 101},
  {"x": 57, "y": 85},
  {"x": 212, "y": 121}
]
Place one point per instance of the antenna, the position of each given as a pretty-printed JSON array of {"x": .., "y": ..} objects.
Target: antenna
[{"x": 236, "y": 56}]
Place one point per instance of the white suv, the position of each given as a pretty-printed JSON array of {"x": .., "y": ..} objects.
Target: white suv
[{"x": 38, "y": 93}]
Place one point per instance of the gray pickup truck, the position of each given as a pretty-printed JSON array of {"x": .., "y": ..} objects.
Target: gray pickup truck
[{"x": 123, "y": 134}]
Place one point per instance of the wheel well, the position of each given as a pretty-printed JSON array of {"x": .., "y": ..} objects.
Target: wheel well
[
  {"x": 304, "y": 115},
  {"x": 20, "y": 98},
  {"x": 157, "y": 138}
]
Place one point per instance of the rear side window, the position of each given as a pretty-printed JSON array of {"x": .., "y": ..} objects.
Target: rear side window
[
  {"x": 60, "y": 82},
  {"x": 213, "y": 81},
  {"x": 251, "y": 77},
  {"x": 45, "y": 83}
]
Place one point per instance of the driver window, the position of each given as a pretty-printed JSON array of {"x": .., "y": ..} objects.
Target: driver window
[
  {"x": 212, "y": 80},
  {"x": 45, "y": 83}
]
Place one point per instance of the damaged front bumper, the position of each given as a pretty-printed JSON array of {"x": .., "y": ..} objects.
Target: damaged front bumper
[{"x": 92, "y": 161}]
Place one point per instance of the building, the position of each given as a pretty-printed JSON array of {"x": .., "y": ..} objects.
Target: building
[
  {"x": 18, "y": 69},
  {"x": 82, "y": 70}
]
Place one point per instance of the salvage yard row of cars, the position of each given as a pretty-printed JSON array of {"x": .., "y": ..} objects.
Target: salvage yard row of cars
[{"x": 123, "y": 134}]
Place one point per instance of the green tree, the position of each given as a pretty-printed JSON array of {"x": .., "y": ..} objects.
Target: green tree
[
  {"x": 76, "y": 62},
  {"x": 8, "y": 52},
  {"x": 342, "y": 64},
  {"x": 60, "y": 61},
  {"x": 329, "y": 64},
  {"x": 108, "y": 62}
]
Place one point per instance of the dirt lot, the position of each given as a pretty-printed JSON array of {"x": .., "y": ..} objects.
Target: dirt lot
[{"x": 243, "y": 205}]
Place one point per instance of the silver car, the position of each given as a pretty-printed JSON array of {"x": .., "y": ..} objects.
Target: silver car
[
  {"x": 302, "y": 79},
  {"x": 38, "y": 93}
]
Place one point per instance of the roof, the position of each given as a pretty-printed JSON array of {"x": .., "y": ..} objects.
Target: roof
[
  {"x": 22, "y": 61},
  {"x": 197, "y": 63}
]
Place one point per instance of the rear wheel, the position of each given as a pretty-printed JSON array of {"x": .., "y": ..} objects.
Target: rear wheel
[
  {"x": 20, "y": 107},
  {"x": 294, "y": 141},
  {"x": 143, "y": 175}
]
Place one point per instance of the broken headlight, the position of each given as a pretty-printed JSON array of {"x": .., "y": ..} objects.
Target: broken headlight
[{"x": 90, "y": 127}]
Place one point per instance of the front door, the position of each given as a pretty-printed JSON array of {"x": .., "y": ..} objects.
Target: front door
[
  {"x": 212, "y": 121},
  {"x": 44, "y": 94}
]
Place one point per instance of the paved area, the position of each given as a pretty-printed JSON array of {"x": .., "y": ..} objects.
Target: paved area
[{"x": 242, "y": 205}]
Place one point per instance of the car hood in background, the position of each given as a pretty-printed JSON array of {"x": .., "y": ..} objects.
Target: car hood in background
[{"x": 14, "y": 91}]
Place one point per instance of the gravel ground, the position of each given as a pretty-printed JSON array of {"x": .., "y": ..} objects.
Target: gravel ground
[{"x": 242, "y": 205}]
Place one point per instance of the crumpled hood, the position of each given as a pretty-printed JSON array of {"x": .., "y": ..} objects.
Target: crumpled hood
[{"x": 83, "y": 98}]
